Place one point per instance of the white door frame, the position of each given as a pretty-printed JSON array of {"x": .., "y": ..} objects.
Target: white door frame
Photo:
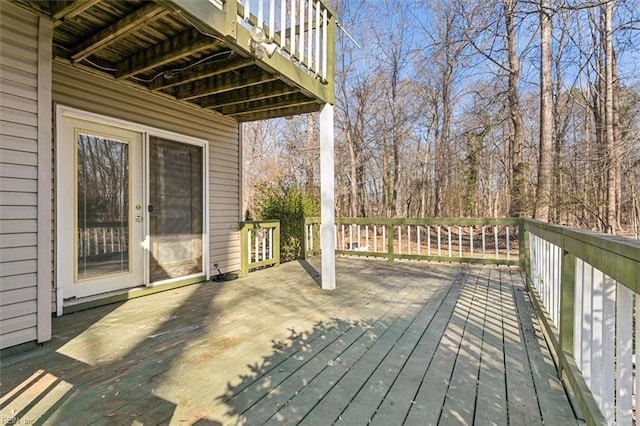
[{"x": 65, "y": 111}]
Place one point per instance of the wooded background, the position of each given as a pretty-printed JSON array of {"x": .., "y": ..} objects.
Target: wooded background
[{"x": 472, "y": 108}]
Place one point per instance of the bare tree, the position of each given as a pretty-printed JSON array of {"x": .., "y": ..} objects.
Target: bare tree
[{"x": 543, "y": 190}]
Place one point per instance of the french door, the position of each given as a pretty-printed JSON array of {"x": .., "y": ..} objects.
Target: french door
[
  {"x": 103, "y": 225},
  {"x": 131, "y": 209}
]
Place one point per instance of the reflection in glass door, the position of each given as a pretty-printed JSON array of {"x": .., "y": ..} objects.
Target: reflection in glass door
[
  {"x": 176, "y": 225},
  {"x": 100, "y": 208},
  {"x": 102, "y": 245}
]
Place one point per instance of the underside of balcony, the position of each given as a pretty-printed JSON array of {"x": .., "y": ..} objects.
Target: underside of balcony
[{"x": 201, "y": 52}]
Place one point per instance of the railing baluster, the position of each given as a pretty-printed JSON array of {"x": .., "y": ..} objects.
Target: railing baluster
[
  {"x": 384, "y": 240},
  {"x": 418, "y": 232},
  {"x": 283, "y": 23},
  {"x": 399, "y": 239},
  {"x": 264, "y": 246},
  {"x": 439, "y": 242},
  {"x": 301, "y": 39},
  {"x": 325, "y": 33},
  {"x": 342, "y": 235},
  {"x": 578, "y": 313},
  {"x": 484, "y": 246},
  {"x": 596, "y": 357},
  {"x": 508, "y": 243},
  {"x": 255, "y": 243},
  {"x": 272, "y": 19},
  {"x": 408, "y": 239},
  {"x": 375, "y": 238},
  {"x": 624, "y": 366},
  {"x": 449, "y": 239},
  {"x": 587, "y": 325},
  {"x": 428, "y": 240},
  {"x": 358, "y": 232},
  {"x": 292, "y": 26},
  {"x": 309, "y": 32},
  {"x": 350, "y": 236},
  {"x": 270, "y": 243},
  {"x": 112, "y": 242},
  {"x": 471, "y": 240},
  {"x": 247, "y": 10},
  {"x": 260, "y": 13},
  {"x": 366, "y": 233},
  {"x": 495, "y": 240},
  {"x": 316, "y": 31},
  {"x": 460, "y": 241},
  {"x": 608, "y": 373}
]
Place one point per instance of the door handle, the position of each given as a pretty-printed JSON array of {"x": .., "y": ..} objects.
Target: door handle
[{"x": 138, "y": 218}]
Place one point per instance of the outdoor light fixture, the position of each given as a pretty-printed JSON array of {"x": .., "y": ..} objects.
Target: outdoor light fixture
[{"x": 259, "y": 45}]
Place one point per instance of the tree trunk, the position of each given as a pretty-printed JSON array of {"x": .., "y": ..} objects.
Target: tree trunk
[
  {"x": 543, "y": 190},
  {"x": 609, "y": 133},
  {"x": 518, "y": 207}
]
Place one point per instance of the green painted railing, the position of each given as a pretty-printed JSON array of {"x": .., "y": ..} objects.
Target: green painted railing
[
  {"x": 586, "y": 288},
  {"x": 259, "y": 245},
  {"x": 483, "y": 241}
]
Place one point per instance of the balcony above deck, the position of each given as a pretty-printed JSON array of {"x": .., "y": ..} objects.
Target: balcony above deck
[{"x": 202, "y": 52}]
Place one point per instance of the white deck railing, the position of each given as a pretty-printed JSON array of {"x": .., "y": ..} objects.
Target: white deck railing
[
  {"x": 102, "y": 240},
  {"x": 298, "y": 28},
  {"x": 588, "y": 284},
  {"x": 491, "y": 241}
]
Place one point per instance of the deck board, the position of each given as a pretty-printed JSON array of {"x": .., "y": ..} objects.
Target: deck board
[{"x": 402, "y": 343}]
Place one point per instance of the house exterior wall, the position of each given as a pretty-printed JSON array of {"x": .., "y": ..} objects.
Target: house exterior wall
[
  {"x": 84, "y": 91},
  {"x": 25, "y": 179}
]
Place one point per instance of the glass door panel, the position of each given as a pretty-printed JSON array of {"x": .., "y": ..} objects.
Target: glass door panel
[
  {"x": 100, "y": 208},
  {"x": 103, "y": 206},
  {"x": 175, "y": 208}
]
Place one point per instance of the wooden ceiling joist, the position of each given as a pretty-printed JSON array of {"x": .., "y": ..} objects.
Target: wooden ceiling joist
[
  {"x": 69, "y": 9},
  {"x": 280, "y": 112},
  {"x": 243, "y": 95},
  {"x": 222, "y": 83},
  {"x": 141, "y": 17},
  {"x": 256, "y": 106},
  {"x": 201, "y": 71},
  {"x": 185, "y": 44}
]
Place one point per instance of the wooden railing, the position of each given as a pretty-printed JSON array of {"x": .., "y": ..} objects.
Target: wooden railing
[
  {"x": 102, "y": 240},
  {"x": 259, "y": 245},
  {"x": 486, "y": 241},
  {"x": 299, "y": 29},
  {"x": 585, "y": 286}
]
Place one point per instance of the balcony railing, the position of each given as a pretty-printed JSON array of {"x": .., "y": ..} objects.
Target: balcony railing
[
  {"x": 299, "y": 29},
  {"x": 486, "y": 241},
  {"x": 259, "y": 245},
  {"x": 587, "y": 289}
]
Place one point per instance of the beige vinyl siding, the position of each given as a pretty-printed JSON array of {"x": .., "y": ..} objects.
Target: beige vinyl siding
[
  {"x": 18, "y": 175},
  {"x": 87, "y": 92}
]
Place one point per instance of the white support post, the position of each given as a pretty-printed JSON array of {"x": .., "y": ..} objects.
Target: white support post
[{"x": 327, "y": 210}]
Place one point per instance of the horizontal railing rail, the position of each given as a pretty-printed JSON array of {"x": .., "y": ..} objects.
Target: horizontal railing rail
[
  {"x": 484, "y": 241},
  {"x": 586, "y": 287},
  {"x": 259, "y": 245},
  {"x": 299, "y": 29}
]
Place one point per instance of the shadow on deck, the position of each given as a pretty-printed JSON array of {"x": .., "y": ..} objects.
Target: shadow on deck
[{"x": 402, "y": 343}]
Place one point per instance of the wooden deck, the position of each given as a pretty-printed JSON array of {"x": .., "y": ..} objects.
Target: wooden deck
[{"x": 403, "y": 343}]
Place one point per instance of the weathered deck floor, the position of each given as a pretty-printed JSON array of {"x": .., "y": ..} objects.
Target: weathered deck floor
[{"x": 403, "y": 343}]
